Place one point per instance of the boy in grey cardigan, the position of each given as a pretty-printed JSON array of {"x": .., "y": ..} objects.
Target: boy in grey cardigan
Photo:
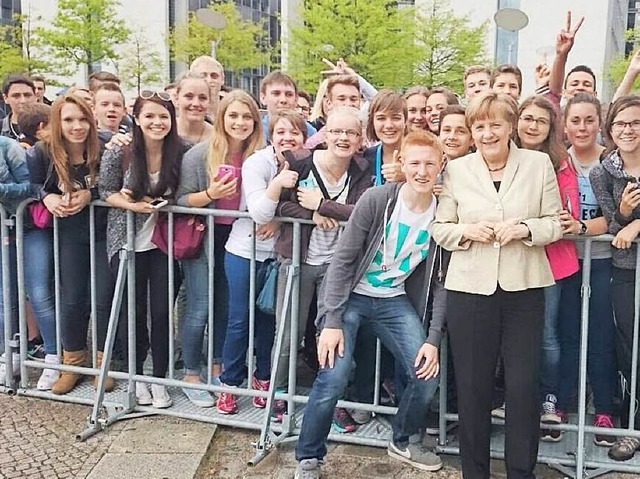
[{"x": 385, "y": 256}]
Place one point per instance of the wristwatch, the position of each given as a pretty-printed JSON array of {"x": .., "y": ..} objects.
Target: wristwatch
[{"x": 583, "y": 228}]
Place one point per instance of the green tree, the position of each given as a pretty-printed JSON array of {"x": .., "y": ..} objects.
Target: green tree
[
  {"x": 447, "y": 44},
  {"x": 84, "y": 32},
  {"x": 241, "y": 44},
  {"x": 141, "y": 63},
  {"x": 18, "y": 47},
  {"x": 618, "y": 65},
  {"x": 375, "y": 37}
]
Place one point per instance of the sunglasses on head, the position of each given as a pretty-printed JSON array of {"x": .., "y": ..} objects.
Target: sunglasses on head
[{"x": 148, "y": 94}]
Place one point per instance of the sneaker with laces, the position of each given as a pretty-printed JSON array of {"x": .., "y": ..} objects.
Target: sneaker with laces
[
  {"x": 227, "y": 403},
  {"x": 416, "y": 455},
  {"x": 549, "y": 414},
  {"x": 3, "y": 367},
  {"x": 308, "y": 469},
  {"x": 48, "y": 376},
  {"x": 605, "y": 421},
  {"x": 35, "y": 349},
  {"x": 199, "y": 397},
  {"x": 160, "y": 396},
  {"x": 499, "y": 412},
  {"x": 342, "y": 421},
  {"x": 624, "y": 448},
  {"x": 143, "y": 396},
  {"x": 260, "y": 385}
]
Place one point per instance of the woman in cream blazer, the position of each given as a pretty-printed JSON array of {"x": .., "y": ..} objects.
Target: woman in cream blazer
[{"x": 498, "y": 208}]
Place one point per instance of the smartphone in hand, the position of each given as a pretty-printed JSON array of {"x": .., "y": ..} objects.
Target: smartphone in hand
[
  {"x": 158, "y": 203},
  {"x": 307, "y": 183},
  {"x": 224, "y": 170}
]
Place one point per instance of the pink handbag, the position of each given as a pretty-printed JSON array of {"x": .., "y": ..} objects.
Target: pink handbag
[
  {"x": 40, "y": 215},
  {"x": 188, "y": 233}
]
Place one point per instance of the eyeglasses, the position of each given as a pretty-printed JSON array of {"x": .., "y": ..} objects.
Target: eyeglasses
[
  {"x": 528, "y": 120},
  {"x": 149, "y": 94},
  {"x": 619, "y": 126},
  {"x": 350, "y": 133},
  {"x": 305, "y": 109}
]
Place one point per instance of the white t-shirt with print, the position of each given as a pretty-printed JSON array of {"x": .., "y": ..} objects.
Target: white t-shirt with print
[{"x": 405, "y": 245}]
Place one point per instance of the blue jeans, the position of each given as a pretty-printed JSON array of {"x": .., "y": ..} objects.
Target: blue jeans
[
  {"x": 398, "y": 326},
  {"x": 234, "y": 352},
  {"x": 196, "y": 279},
  {"x": 550, "y": 374},
  {"x": 38, "y": 276},
  {"x": 601, "y": 358}
]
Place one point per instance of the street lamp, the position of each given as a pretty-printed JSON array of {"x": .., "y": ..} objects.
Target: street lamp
[
  {"x": 513, "y": 20},
  {"x": 213, "y": 20}
]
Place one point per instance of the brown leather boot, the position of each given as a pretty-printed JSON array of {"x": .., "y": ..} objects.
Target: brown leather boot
[
  {"x": 68, "y": 380},
  {"x": 109, "y": 384}
]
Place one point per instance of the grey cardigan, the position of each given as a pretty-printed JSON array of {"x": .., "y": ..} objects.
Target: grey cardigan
[
  {"x": 355, "y": 250},
  {"x": 608, "y": 181}
]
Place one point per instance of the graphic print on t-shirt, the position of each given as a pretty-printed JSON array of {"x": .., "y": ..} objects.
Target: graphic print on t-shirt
[{"x": 407, "y": 244}]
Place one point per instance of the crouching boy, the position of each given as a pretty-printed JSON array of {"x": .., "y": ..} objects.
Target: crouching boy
[{"x": 380, "y": 274}]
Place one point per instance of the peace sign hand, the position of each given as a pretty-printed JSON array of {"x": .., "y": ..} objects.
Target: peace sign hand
[{"x": 566, "y": 37}]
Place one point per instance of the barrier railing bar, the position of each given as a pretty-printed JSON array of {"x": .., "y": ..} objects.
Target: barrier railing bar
[
  {"x": 634, "y": 352},
  {"x": 171, "y": 296},
  {"x": 584, "y": 342},
  {"x": 252, "y": 306},
  {"x": 211, "y": 294},
  {"x": 93, "y": 289},
  {"x": 22, "y": 301},
  {"x": 9, "y": 342}
]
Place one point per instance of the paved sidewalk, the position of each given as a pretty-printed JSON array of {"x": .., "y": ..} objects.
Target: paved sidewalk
[{"x": 37, "y": 441}]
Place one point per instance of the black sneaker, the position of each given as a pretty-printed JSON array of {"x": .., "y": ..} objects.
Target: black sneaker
[
  {"x": 416, "y": 455},
  {"x": 35, "y": 349}
]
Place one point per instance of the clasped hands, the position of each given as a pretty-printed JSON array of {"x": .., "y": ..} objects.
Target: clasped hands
[{"x": 501, "y": 232}]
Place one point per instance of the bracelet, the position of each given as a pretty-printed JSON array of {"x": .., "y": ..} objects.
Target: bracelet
[{"x": 206, "y": 192}]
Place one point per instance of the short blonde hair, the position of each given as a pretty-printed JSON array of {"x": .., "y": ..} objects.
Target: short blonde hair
[{"x": 489, "y": 104}]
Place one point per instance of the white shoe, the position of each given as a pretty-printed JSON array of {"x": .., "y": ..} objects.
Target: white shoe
[
  {"x": 3, "y": 368},
  {"x": 161, "y": 398},
  {"x": 143, "y": 396},
  {"x": 49, "y": 376}
]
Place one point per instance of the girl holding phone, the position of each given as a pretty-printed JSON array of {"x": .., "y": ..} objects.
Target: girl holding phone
[
  {"x": 615, "y": 183},
  {"x": 211, "y": 178},
  {"x": 141, "y": 178},
  {"x": 64, "y": 167}
]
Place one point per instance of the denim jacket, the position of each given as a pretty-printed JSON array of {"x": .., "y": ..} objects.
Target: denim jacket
[{"x": 14, "y": 175}]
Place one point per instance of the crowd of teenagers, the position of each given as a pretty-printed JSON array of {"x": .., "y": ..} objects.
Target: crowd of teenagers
[{"x": 455, "y": 209}]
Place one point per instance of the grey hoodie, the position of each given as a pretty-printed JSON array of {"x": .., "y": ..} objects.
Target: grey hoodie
[
  {"x": 355, "y": 250},
  {"x": 608, "y": 181}
]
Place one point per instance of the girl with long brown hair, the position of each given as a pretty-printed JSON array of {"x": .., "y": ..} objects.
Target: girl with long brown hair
[{"x": 64, "y": 165}]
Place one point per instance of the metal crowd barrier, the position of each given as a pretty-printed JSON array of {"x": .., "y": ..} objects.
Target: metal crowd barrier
[{"x": 574, "y": 456}]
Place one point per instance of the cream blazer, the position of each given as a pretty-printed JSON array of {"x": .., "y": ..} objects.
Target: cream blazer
[{"x": 528, "y": 194}]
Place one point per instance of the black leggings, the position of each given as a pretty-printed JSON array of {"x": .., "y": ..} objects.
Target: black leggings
[
  {"x": 75, "y": 289},
  {"x": 152, "y": 275}
]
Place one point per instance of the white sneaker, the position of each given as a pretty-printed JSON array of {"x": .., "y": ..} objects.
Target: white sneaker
[
  {"x": 49, "y": 376},
  {"x": 161, "y": 398},
  {"x": 143, "y": 396},
  {"x": 3, "y": 368}
]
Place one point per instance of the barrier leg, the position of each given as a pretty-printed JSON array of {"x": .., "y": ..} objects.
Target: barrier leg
[
  {"x": 95, "y": 424},
  {"x": 267, "y": 439}
]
